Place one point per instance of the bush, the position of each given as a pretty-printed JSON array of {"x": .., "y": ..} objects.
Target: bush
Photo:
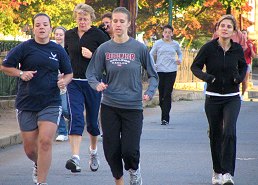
[{"x": 255, "y": 62}]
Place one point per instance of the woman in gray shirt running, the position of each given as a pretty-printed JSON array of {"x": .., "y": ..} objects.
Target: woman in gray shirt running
[
  {"x": 168, "y": 55},
  {"x": 122, "y": 59}
]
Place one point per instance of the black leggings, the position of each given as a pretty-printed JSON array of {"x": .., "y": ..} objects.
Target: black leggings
[
  {"x": 122, "y": 130},
  {"x": 166, "y": 84},
  {"x": 222, "y": 114}
]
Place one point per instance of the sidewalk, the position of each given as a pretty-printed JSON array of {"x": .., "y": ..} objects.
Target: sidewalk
[
  {"x": 10, "y": 133},
  {"x": 9, "y": 129}
]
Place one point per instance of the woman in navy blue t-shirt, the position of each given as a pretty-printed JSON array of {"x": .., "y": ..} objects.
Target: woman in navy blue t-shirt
[{"x": 38, "y": 100}]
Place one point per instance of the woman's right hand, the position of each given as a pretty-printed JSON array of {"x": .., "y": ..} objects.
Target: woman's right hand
[
  {"x": 28, "y": 75},
  {"x": 101, "y": 87}
]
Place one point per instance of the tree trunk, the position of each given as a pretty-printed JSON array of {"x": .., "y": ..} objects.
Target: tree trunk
[
  {"x": 132, "y": 6},
  {"x": 228, "y": 11}
]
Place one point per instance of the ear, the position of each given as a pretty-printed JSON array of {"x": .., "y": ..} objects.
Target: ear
[{"x": 129, "y": 24}]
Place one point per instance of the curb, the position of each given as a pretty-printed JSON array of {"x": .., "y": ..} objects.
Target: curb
[
  {"x": 178, "y": 95},
  {"x": 10, "y": 140},
  {"x": 7, "y": 104}
]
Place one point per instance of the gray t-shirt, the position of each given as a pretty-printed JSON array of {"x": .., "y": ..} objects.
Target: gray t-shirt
[
  {"x": 122, "y": 63},
  {"x": 166, "y": 54}
]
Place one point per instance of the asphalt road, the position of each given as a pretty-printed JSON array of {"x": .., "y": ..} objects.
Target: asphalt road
[{"x": 176, "y": 154}]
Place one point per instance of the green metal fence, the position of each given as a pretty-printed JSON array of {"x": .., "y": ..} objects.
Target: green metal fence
[
  {"x": 8, "y": 86},
  {"x": 7, "y": 45}
]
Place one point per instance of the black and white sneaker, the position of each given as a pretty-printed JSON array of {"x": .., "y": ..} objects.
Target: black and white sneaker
[
  {"x": 73, "y": 164},
  {"x": 35, "y": 173},
  {"x": 164, "y": 122}
]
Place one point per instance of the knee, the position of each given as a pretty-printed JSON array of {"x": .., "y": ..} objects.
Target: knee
[
  {"x": 230, "y": 135},
  {"x": 45, "y": 144},
  {"x": 31, "y": 151},
  {"x": 130, "y": 155}
]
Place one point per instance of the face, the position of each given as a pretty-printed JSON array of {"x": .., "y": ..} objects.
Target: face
[
  {"x": 59, "y": 36},
  {"x": 167, "y": 34},
  {"x": 107, "y": 22},
  {"x": 244, "y": 34},
  {"x": 83, "y": 21},
  {"x": 120, "y": 24},
  {"x": 225, "y": 28},
  {"x": 42, "y": 28}
]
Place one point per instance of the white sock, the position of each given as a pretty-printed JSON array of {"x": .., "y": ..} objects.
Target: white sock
[
  {"x": 77, "y": 156},
  {"x": 93, "y": 151}
]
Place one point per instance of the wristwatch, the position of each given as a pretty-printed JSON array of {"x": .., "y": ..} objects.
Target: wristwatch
[{"x": 21, "y": 73}]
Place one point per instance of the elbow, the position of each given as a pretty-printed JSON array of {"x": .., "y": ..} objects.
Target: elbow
[
  {"x": 192, "y": 68},
  {"x": 3, "y": 69}
]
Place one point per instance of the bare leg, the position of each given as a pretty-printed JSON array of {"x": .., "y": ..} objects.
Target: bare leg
[
  {"x": 30, "y": 140},
  {"x": 93, "y": 142},
  {"x": 46, "y": 135},
  {"x": 119, "y": 181},
  {"x": 75, "y": 141}
]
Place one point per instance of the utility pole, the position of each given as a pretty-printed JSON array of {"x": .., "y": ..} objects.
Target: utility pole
[
  {"x": 170, "y": 9},
  {"x": 132, "y": 6}
]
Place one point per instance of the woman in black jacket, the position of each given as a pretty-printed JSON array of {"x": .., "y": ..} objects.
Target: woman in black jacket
[
  {"x": 225, "y": 70},
  {"x": 80, "y": 43}
]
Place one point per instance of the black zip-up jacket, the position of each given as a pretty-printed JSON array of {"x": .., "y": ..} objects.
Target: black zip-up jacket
[
  {"x": 224, "y": 70},
  {"x": 91, "y": 39}
]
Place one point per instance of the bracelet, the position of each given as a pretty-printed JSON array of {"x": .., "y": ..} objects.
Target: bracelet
[{"x": 21, "y": 73}]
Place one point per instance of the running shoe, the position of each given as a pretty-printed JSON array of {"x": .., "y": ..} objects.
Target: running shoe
[{"x": 73, "y": 164}]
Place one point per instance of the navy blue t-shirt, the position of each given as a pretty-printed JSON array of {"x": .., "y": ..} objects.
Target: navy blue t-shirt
[{"x": 47, "y": 59}]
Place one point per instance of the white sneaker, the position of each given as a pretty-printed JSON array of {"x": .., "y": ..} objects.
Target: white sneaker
[
  {"x": 61, "y": 138},
  {"x": 135, "y": 176},
  {"x": 216, "y": 178},
  {"x": 227, "y": 179},
  {"x": 94, "y": 161}
]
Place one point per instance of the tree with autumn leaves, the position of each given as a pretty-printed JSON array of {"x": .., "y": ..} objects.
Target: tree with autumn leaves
[{"x": 193, "y": 20}]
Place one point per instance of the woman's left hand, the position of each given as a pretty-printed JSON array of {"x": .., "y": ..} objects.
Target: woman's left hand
[
  {"x": 178, "y": 62},
  {"x": 86, "y": 52},
  {"x": 61, "y": 82},
  {"x": 146, "y": 97}
]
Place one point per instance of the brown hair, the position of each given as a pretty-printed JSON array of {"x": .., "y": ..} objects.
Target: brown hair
[
  {"x": 124, "y": 11},
  {"x": 229, "y": 17},
  {"x": 168, "y": 26},
  {"x": 41, "y": 14},
  {"x": 107, "y": 15},
  {"x": 59, "y": 28}
]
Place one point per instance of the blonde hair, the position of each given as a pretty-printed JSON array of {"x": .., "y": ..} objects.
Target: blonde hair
[{"x": 83, "y": 8}]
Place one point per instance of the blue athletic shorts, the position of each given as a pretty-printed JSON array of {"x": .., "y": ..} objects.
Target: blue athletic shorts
[{"x": 28, "y": 120}]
